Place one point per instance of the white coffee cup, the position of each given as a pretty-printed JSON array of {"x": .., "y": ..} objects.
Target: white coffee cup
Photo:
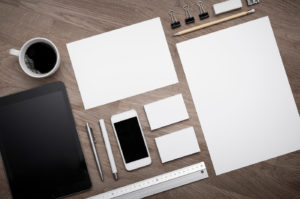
[{"x": 21, "y": 54}]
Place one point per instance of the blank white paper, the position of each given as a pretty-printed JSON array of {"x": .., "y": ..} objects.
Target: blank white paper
[
  {"x": 122, "y": 63},
  {"x": 242, "y": 95},
  {"x": 166, "y": 111},
  {"x": 177, "y": 144}
]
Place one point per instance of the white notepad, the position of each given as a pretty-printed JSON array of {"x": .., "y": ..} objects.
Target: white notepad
[
  {"x": 177, "y": 145},
  {"x": 122, "y": 63},
  {"x": 242, "y": 95},
  {"x": 166, "y": 111}
]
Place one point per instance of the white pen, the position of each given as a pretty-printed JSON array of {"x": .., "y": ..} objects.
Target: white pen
[{"x": 108, "y": 149}]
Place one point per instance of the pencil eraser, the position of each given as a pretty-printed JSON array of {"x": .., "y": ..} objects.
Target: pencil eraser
[{"x": 227, "y": 6}]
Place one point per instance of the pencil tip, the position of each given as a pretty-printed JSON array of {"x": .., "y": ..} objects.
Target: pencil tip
[{"x": 176, "y": 34}]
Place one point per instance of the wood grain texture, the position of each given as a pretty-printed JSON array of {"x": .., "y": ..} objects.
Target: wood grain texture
[{"x": 63, "y": 21}]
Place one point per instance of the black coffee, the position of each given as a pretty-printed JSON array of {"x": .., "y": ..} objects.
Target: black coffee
[{"x": 40, "y": 57}]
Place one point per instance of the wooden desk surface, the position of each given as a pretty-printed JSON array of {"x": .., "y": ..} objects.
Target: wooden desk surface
[{"x": 66, "y": 21}]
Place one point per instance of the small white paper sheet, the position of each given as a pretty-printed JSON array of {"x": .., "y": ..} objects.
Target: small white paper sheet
[
  {"x": 122, "y": 63},
  {"x": 242, "y": 95},
  {"x": 166, "y": 111},
  {"x": 177, "y": 145}
]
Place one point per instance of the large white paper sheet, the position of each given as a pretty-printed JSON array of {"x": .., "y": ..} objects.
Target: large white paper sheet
[
  {"x": 241, "y": 94},
  {"x": 122, "y": 63}
]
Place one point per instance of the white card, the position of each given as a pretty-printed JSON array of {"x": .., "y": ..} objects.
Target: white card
[
  {"x": 166, "y": 111},
  {"x": 177, "y": 145},
  {"x": 227, "y": 6},
  {"x": 241, "y": 94},
  {"x": 122, "y": 63}
]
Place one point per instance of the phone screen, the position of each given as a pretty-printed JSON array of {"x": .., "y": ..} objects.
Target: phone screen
[{"x": 131, "y": 139}]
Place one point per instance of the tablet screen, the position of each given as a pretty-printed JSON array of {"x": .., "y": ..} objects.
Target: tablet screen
[{"x": 40, "y": 145}]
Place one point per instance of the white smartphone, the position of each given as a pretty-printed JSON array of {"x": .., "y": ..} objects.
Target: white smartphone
[{"x": 131, "y": 140}]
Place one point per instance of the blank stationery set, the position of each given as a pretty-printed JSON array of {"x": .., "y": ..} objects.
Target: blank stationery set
[
  {"x": 126, "y": 62},
  {"x": 240, "y": 89},
  {"x": 237, "y": 82}
]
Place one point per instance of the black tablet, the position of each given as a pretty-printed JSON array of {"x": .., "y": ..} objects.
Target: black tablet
[{"x": 40, "y": 145}]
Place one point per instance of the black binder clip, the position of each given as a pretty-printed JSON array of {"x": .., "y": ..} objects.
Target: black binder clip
[
  {"x": 203, "y": 14},
  {"x": 189, "y": 18},
  {"x": 175, "y": 23}
]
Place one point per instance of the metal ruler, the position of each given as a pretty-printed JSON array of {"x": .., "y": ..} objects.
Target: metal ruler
[{"x": 158, "y": 184}]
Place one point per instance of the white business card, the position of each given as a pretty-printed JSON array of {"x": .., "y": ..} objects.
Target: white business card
[
  {"x": 177, "y": 145},
  {"x": 166, "y": 111}
]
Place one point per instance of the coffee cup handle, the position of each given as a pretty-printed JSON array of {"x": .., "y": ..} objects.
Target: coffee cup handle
[{"x": 14, "y": 52}]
